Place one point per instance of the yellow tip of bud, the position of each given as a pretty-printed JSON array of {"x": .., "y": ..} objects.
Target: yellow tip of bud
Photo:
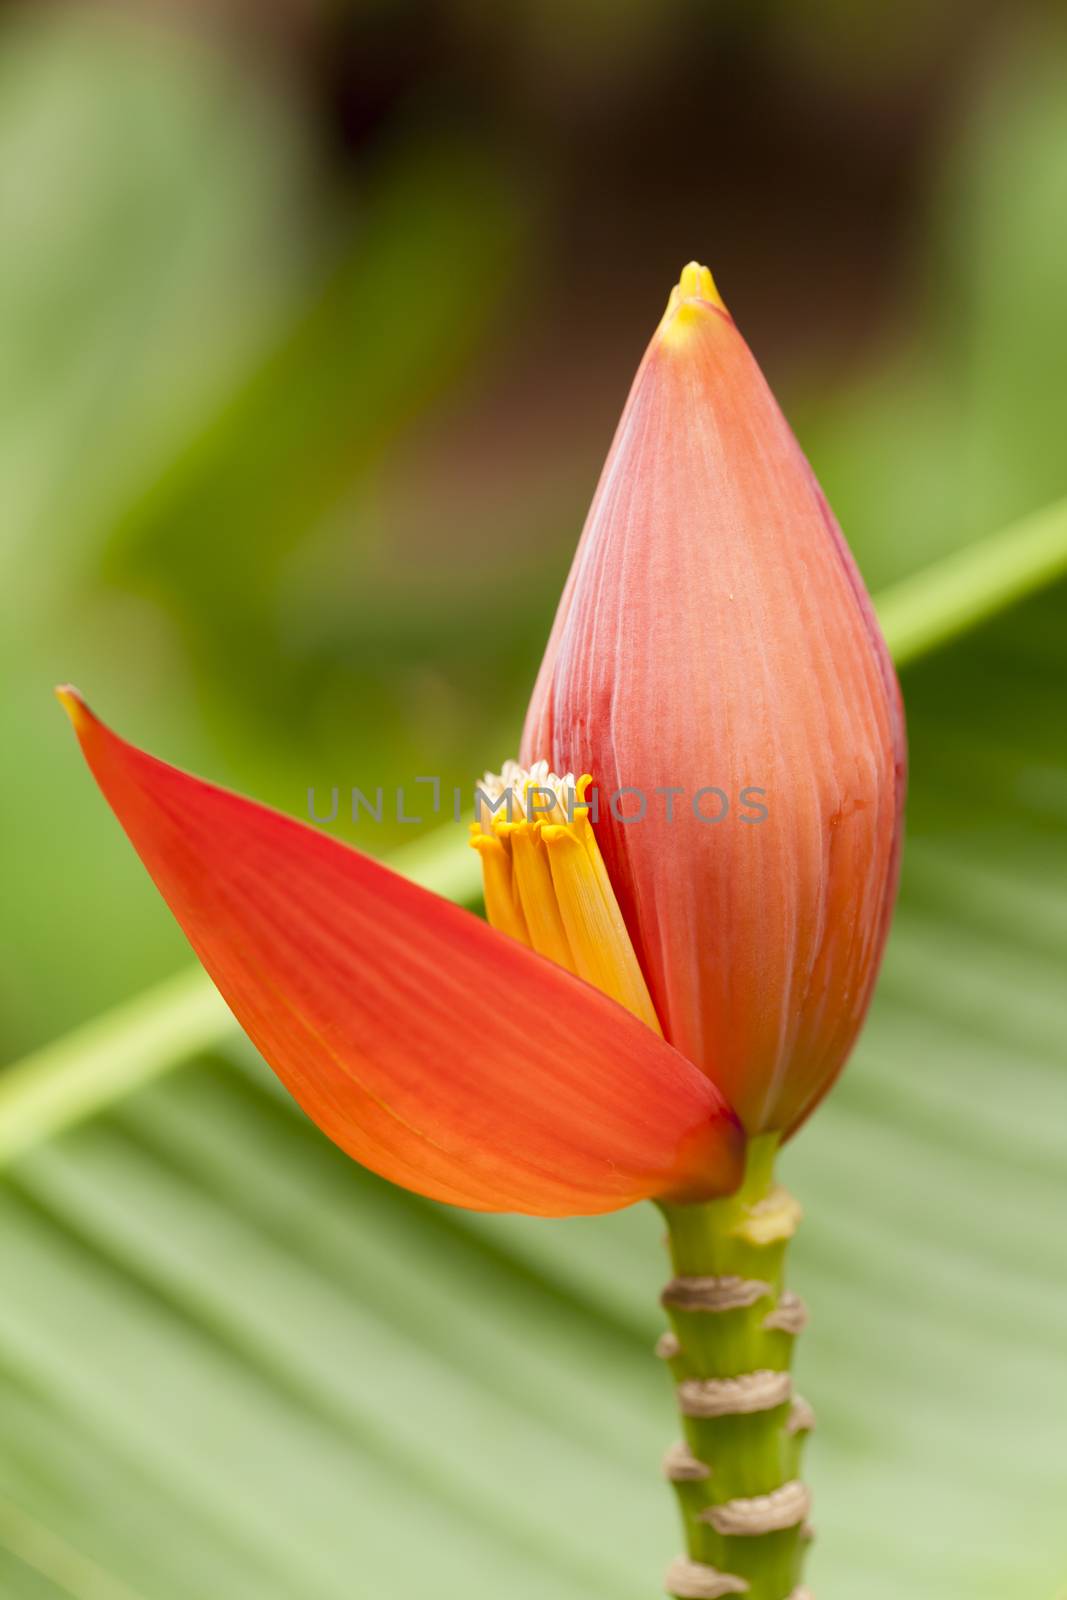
[
  {"x": 694, "y": 290},
  {"x": 696, "y": 282}
]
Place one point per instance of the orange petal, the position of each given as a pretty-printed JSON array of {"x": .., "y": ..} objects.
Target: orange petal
[{"x": 433, "y": 1049}]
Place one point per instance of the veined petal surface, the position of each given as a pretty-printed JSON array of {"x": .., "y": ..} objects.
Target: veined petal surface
[
  {"x": 715, "y": 640},
  {"x": 431, "y": 1048}
]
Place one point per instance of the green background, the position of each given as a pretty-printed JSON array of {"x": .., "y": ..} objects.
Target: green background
[{"x": 315, "y": 323}]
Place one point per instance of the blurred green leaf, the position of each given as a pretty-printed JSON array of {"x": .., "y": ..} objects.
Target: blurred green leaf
[
  {"x": 395, "y": 312},
  {"x": 144, "y": 186},
  {"x": 922, "y": 612},
  {"x": 955, "y": 427}
]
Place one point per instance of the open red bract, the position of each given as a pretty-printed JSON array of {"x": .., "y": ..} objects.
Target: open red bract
[{"x": 431, "y": 1048}]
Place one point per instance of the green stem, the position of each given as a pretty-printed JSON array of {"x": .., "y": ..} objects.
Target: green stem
[{"x": 730, "y": 1348}]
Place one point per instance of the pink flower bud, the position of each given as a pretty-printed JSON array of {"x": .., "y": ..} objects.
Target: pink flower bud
[{"x": 716, "y": 651}]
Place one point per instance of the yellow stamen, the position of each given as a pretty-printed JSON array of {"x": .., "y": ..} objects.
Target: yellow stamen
[
  {"x": 536, "y": 894},
  {"x": 501, "y": 902},
  {"x": 546, "y": 883}
]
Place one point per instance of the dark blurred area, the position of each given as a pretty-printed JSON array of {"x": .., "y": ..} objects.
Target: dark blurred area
[{"x": 318, "y": 318}]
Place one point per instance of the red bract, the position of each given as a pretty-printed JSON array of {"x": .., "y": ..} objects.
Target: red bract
[
  {"x": 715, "y": 635},
  {"x": 430, "y": 1047}
]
